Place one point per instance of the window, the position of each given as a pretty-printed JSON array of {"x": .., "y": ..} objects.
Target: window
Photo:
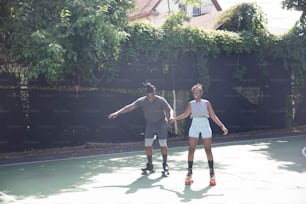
[
  {"x": 182, "y": 7},
  {"x": 196, "y": 11}
]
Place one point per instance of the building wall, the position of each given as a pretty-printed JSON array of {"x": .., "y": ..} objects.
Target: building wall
[{"x": 166, "y": 7}]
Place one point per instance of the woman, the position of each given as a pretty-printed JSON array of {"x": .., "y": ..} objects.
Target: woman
[{"x": 200, "y": 110}]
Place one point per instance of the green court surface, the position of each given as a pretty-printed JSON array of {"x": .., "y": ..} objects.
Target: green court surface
[{"x": 271, "y": 171}]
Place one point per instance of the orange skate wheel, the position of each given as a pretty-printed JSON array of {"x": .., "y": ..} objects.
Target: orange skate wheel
[
  {"x": 188, "y": 182},
  {"x": 212, "y": 182}
]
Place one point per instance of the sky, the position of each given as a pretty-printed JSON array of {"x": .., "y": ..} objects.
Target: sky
[{"x": 279, "y": 20}]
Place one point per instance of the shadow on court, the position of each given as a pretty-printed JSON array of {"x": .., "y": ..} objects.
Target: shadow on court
[
  {"x": 258, "y": 171},
  {"x": 189, "y": 195},
  {"x": 287, "y": 150},
  {"x": 143, "y": 182},
  {"x": 42, "y": 179}
]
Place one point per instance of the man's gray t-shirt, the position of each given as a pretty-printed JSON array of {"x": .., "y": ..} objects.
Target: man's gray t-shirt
[{"x": 153, "y": 112}]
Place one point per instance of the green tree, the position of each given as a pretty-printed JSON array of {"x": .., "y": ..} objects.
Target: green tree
[
  {"x": 195, "y": 3},
  {"x": 71, "y": 40},
  {"x": 5, "y": 58},
  {"x": 176, "y": 19},
  {"x": 294, "y": 44},
  {"x": 293, "y": 53},
  {"x": 243, "y": 17},
  {"x": 299, "y": 5}
]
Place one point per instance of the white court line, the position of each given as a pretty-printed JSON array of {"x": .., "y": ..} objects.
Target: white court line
[
  {"x": 304, "y": 151},
  {"x": 123, "y": 153}
]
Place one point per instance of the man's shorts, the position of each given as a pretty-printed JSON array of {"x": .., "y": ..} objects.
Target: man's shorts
[
  {"x": 149, "y": 142},
  {"x": 159, "y": 130},
  {"x": 200, "y": 126}
]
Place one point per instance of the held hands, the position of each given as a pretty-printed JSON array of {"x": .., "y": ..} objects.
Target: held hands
[{"x": 172, "y": 120}]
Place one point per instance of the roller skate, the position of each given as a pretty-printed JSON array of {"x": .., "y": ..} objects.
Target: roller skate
[
  {"x": 148, "y": 169},
  {"x": 212, "y": 181},
  {"x": 165, "y": 171},
  {"x": 188, "y": 180}
]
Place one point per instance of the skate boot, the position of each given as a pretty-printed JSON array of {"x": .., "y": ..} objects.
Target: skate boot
[
  {"x": 212, "y": 181},
  {"x": 165, "y": 171},
  {"x": 188, "y": 180},
  {"x": 149, "y": 169}
]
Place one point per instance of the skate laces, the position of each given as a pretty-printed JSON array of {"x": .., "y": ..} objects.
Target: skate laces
[
  {"x": 189, "y": 172},
  {"x": 149, "y": 166},
  {"x": 165, "y": 166}
]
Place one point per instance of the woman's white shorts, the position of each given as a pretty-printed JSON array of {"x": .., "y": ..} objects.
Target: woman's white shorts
[{"x": 200, "y": 127}]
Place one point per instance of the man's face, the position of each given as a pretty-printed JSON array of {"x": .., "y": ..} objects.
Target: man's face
[{"x": 150, "y": 97}]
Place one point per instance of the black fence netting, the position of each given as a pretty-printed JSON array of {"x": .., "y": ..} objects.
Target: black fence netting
[
  {"x": 244, "y": 96},
  {"x": 65, "y": 118}
]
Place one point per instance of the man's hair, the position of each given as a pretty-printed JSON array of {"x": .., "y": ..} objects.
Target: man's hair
[{"x": 150, "y": 88}]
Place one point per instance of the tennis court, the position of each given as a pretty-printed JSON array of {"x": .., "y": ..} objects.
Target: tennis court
[{"x": 257, "y": 171}]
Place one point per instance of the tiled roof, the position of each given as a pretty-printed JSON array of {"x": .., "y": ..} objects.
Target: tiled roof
[
  {"x": 206, "y": 21},
  {"x": 143, "y": 8}
]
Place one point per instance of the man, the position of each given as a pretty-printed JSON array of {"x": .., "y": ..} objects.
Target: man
[{"x": 157, "y": 112}]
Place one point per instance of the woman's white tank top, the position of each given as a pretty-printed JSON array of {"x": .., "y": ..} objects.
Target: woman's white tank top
[{"x": 199, "y": 109}]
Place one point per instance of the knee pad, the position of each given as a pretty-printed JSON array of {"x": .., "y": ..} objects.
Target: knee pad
[
  {"x": 162, "y": 142},
  {"x": 149, "y": 142}
]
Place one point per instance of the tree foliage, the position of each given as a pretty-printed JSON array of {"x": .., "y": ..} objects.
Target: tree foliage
[
  {"x": 243, "y": 17},
  {"x": 65, "y": 39},
  {"x": 294, "y": 44},
  {"x": 195, "y": 3},
  {"x": 176, "y": 19},
  {"x": 74, "y": 41},
  {"x": 298, "y": 5}
]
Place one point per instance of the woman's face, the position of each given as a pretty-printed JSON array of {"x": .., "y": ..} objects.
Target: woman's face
[{"x": 197, "y": 93}]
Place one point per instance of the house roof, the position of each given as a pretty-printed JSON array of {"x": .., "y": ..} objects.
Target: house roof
[
  {"x": 206, "y": 21},
  {"x": 217, "y": 5},
  {"x": 143, "y": 8}
]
